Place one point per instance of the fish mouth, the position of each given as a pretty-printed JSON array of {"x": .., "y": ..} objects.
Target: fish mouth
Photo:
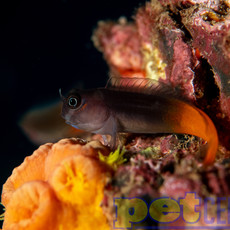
[{"x": 69, "y": 123}]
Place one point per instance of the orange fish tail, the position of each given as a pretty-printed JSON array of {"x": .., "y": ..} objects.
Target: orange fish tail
[
  {"x": 212, "y": 139},
  {"x": 211, "y": 151},
  {"x": 190, "y": 120}
]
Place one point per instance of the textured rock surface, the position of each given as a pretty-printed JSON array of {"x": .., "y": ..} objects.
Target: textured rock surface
[{"x": 184, "y": 43}]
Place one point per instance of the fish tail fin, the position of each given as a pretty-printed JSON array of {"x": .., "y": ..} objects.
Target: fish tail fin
[
  {"x": 211, "y": 150},
  {"x": 212, "y": 139}
]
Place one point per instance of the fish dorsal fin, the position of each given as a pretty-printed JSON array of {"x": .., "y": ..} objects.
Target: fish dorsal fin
[{"x": 142, "y": 85}]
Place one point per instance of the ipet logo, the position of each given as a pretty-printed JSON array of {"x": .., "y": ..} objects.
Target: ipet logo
[{"x": 165, "y": 210}]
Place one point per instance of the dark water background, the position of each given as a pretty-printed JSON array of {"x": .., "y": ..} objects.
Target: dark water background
[{"x": 45, "y": 45}]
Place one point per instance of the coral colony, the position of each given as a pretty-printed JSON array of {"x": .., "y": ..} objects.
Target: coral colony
[{"x": 151, "y": 181}]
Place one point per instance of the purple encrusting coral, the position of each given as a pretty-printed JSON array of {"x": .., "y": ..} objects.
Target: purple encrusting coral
[{"x": 185, "y": 43}]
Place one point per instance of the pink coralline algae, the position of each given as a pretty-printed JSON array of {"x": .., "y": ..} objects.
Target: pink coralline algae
[
  {"x": 121, "y": 47},
  {"x": 182, "y": 43}
]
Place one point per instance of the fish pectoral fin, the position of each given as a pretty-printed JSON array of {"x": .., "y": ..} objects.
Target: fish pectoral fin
[
  {"x": 113, "y": 141},
  {"x": 110, "y": 141},
  {"x": 105, "y": 139}
]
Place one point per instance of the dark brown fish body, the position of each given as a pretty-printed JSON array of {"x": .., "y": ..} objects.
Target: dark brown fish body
[
  {"x": 136, "y": 113},
  {"x": 110, "y": 111},
  {"x": 107, "y": 111}
]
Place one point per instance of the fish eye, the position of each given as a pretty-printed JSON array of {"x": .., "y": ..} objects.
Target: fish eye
[{"x": 73, "y": 102}]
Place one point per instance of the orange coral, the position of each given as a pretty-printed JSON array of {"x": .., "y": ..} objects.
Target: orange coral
[
  {"x": 79, "y": 181},
  {"x": 31, "y": 169},
  {"x": 39, "y": 208},
  {"x": 78, "y": 176},
  {"x": 71, "y": 147},
  {"x": 59, "y": 187}
]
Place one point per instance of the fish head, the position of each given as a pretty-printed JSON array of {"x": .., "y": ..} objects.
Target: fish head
[{"x": 85, "y": 109}]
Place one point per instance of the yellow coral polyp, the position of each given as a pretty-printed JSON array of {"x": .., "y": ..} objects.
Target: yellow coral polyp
[
  {"x": 114, "y": 159},
  {"x": 79, "y": 180},
  {"x": 71, "y": 147}
]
